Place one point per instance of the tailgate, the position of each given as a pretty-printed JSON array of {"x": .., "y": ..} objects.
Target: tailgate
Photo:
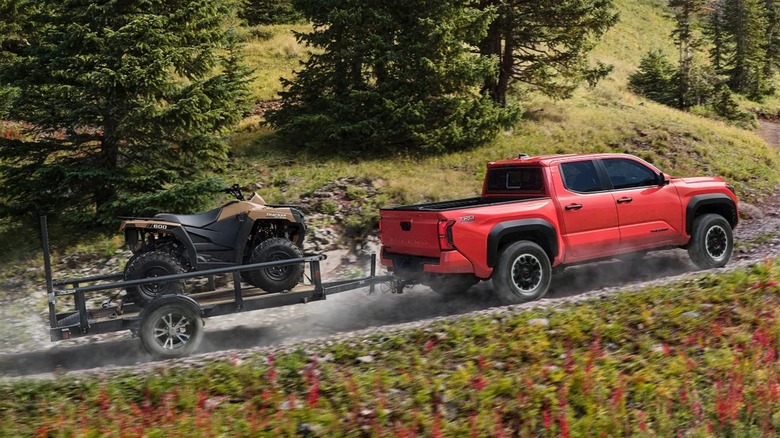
[{"x": 410, "y": 232}]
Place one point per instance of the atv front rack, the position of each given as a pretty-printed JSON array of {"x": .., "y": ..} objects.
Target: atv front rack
[{"x": 116, "y": 316}]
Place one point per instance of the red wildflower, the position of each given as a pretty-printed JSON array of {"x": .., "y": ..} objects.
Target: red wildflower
[
  {"x": 546, "y": 417},
  {"x": 429, "y": 346},
  {"x": 499, "y": 431},
  {"x": 642, "y": 420},
  {"x": 436, "y": 428},
  {"x": 473, "y": 425},
  {"x": 478, "y": 382}
]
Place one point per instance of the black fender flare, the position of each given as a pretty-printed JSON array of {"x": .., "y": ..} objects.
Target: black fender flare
[
  {"x": 248, "y": 226},
  {"x": 713, "y": 199},
  {"x": 180, "y": 233},
  {"x": 520, "y": 227}
]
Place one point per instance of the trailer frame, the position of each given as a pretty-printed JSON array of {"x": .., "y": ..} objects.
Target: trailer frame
[{"x": 119, "y": 316}]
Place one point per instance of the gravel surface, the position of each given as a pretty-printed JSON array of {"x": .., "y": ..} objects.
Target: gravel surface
[{"x": 26, "y": 351}]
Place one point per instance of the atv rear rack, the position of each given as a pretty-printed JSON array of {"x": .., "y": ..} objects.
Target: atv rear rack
[{"x": 117, "y": 316}]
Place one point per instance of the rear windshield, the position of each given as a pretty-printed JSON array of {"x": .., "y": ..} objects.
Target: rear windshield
[{"x": 519, "y": 180}]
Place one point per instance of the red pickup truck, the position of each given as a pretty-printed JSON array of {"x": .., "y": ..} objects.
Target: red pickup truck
[{"x": 540, "y": 213}]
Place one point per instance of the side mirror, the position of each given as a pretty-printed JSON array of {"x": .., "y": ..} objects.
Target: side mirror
[{"x": 663, "y": 179}]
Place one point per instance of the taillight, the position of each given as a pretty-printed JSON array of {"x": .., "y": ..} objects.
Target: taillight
[{"x": 445, "y": 234}]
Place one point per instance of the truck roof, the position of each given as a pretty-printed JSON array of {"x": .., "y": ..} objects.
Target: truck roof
[{"x": 547, "y": 160}]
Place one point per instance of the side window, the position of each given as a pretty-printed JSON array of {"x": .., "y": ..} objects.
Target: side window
[
  {"x": 626, "y": 174},
  {"x": 580, "y": 176}
]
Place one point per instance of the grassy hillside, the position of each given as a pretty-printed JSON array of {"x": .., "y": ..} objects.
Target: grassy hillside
[
  {"x": 695, "y": 359},
  {"x": 606, "y": 118}
]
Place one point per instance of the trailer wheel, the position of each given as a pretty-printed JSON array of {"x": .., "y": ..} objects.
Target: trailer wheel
[
  {"x": 452, "y": 285},
  {"x": 174, "y": 329},
  {"x": 153, "y": 264},
  {"x": 523, "y": 273},
  {"x": 279, "y": 278}
]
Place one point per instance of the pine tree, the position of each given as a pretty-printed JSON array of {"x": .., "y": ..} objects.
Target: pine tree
[
  {"x": 125, "y": 104},
  {"x": 746, "y": 21},
  {"x": 773, "y": 37},
  {"x": 390, "y": 76},
  {"x": 722, "y": 41},
  {"x": 684, "y": 35},
  {"x": 727, "y": 107},
  {"x": 545, "y": 44},
  {"x": 269, "y": 12},
  {"x": 654, "y": 79}
]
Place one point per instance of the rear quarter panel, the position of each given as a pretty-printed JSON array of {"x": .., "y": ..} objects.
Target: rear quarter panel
[{"x": 473, "y": 226}]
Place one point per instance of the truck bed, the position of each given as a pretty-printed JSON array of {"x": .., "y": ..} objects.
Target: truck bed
[{"x": 461, "y": 203}]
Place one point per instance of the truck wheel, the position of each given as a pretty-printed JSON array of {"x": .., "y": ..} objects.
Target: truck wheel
[
  {"x": 171, "y": 330},
  {"x": 280, "y": 278},
  {"x": 452, "y": 285},
  {"x": 711, "y": 241},
  {"x": 153, "y": 264},
  {"x": 523, "y": 273}
]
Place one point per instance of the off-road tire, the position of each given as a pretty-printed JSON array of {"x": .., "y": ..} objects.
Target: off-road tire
[
  {"x": 153, "y": 264},
  {"x": 451, "y": 285},
  {"x": 280, "y": 278},
  {"x": 712, "y": 241},
  {"x": 171, "y": 330},
  {"x": 245, "y": 277},
  {"x": 522, "y": 274}
]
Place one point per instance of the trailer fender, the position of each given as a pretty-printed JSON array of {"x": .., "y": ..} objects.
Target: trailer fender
[{"x": 161, "y": 300}]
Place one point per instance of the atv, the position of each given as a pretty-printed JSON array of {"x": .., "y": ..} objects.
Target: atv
[{"x": 240, "y": 232}]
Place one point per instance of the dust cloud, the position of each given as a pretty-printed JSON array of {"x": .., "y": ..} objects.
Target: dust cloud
[{"x": 339, "y": 313}]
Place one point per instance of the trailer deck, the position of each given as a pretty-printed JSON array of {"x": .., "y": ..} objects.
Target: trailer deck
[{"x": 171, "y": 325}]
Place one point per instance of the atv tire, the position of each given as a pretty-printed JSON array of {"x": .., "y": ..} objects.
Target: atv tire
[
  {"x": 153, "y": 264},
  {"x": 280, "y": 278}
]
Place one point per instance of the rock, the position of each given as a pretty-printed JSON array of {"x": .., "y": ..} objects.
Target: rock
[
  {"x": 691, "y": 314},
  {"x": 539, "y": 322},
  {"x": 365, "y": 359},
  {"x": 657, "y": 348},
  {"x": 750, "y": 211},
  {"x": 287, "y": 406}
]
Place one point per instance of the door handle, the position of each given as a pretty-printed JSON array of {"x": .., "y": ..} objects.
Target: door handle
[
  {"x": 573, "y": 207},
  {"x": 625, "y": 200}
]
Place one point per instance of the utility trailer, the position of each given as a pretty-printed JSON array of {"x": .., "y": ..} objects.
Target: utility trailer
[{"x": 171, "y": 325}]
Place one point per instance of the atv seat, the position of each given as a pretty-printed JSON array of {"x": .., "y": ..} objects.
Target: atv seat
[{"x": 199, "y": 220}]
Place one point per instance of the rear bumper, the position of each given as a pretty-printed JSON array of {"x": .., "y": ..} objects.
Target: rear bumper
[{"x": 449, "y": 262}]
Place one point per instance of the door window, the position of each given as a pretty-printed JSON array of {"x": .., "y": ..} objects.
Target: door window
[
  {"x": 580, "y": 176},
  {"x": 626, "y": 174}
]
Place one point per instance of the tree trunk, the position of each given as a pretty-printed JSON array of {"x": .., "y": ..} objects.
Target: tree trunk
[
  {"x": 505, "y": 70},
  {"x": 108, "y": 160},
  {"x": 491, "y": 46}
]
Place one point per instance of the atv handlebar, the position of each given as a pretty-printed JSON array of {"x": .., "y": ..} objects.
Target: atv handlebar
[{"x": 235, "y": 190}]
